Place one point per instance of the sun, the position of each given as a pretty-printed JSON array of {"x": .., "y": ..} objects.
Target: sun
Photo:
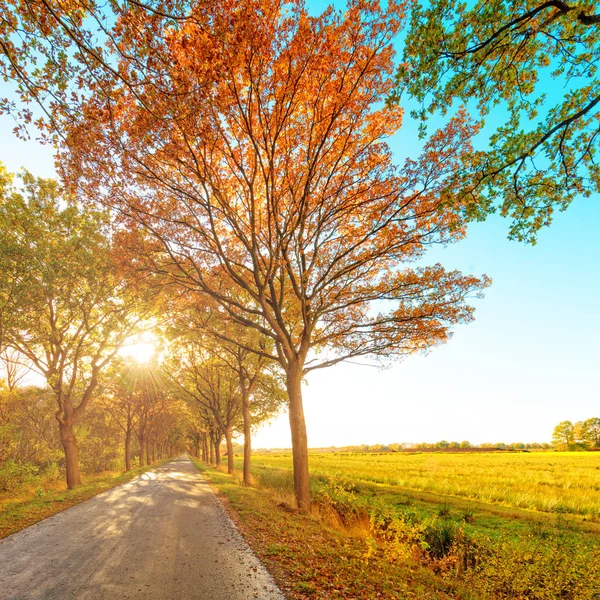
[{"x": 142, "y": 351}]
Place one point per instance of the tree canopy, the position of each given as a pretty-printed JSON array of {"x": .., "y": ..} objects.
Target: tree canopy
[{"x": 529, "y": 68}]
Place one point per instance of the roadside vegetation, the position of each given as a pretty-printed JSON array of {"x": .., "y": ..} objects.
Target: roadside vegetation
[{"x": 369, "y": 539}]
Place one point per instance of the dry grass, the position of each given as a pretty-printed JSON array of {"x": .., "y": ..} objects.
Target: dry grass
[
  {"x": 309, "y": 558},
  {"x": 549, "y": 482}
]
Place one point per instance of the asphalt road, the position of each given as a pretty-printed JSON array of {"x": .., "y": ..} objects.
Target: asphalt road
[{"x": 162, "y": 536}]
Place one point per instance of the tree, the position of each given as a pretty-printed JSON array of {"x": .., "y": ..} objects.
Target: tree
[
  {"x": 511, "y": 59},
  {"x": 27, "y": 426},
  {"x": 590, "y": 432},
  {"x": 563, "y": 435},
  {"x": 265, "y": 175},
  {"x": 66, "y": 308},
  {"x": 242, "y": 350},
  {"x": 148, "y": 386},
  {"x": 119, "y": 401},
  {"x": 210, "y": 381}
]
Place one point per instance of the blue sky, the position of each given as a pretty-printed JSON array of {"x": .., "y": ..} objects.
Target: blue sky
[{"x": 528, "y": 361}]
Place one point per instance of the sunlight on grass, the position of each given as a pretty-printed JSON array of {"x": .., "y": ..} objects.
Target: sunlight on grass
[{"x": 551, "y": 482}]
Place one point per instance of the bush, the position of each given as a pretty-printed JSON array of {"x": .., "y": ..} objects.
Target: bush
[
  {"x": 8, "y": 440},
  {"x": 51, "y": 473},
  {"x": 339, "y": 501},
  {"x": 14, "y": 476},
  {"x": 439, "y": 538}
]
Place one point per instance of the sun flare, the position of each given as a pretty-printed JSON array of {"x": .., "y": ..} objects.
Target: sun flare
[{"x": 141, "y": 351}]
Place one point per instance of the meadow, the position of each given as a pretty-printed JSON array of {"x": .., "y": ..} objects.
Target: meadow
[{"x": 548, "y": 482}]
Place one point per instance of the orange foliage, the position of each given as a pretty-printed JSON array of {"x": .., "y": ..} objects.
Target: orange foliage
[
  {"x": 250, "y": 141},
  {"x": 254, "y": 147}
]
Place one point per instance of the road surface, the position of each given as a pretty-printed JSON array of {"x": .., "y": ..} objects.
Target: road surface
[{"x": 161, "y": 536}]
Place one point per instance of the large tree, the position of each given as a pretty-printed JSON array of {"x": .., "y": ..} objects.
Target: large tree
[
  {"x": 530, "y": 69},
  {"x": 262, "y": 168},
  {"x": 66, "y": 307},
  {"x": 590, "y": 432},
  {"x": 563, "y": 435}
]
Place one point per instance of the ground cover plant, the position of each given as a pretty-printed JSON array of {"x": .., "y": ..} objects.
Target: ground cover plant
[{"x": 445, "y": 545}]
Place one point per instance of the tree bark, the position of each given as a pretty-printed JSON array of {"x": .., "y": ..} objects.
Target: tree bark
[
  {"x": 247, "y": 437},
  {"x": 148, "y": 460},
  {"x": 142, "y": 443},
  {"x": 69, "y": 443},
  {"x": 229, "y": 442},
  {"x": 218, "y": 452},
  {"x": 299, "y": 438},
  {"x": 211, "y": 447},
  {"x": 128, "y": 450}
]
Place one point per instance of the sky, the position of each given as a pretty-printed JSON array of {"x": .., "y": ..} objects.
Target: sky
[{"x": 528, "y": 361}]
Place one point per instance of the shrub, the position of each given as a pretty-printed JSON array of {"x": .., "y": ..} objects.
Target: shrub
[
  {"x": 439, "y": 537},
  {"x": 51, "y": 473},
  {"x": 14, "y": 476},
  {"x": 338, "y": 500}
]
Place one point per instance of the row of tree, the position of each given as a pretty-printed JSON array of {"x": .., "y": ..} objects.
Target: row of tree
[
  {"x": 443, "y": 444},
  {"x": 582, "y": 435},
  {"x": 69, "y": 301},
  {"x": 31, "y": 449}
]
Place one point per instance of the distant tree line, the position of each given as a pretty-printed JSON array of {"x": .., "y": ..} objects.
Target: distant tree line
[
  {"x": 400, "y": 447},
  {"x": 465, "y": 445},
  {"x": 582, "y": 435}
]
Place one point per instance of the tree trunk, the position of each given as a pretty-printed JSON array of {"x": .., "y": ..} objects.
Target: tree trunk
[
  {"x": 218, "y": 453},
  {"x": 229, "y": 441},
  {"x": 148, "y": 461},
  {"x": 211, "y": 448},
  {"x": 142, "y": 442},
  {"x": 69, "y": 442},
  {"x": 299, "y": 438},
  {"x": 153, "y": 452},
  {"x": 247, "y": 438},
  {"x": 128, "y": 450}
]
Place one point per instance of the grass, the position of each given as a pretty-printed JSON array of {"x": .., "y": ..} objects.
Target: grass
[
  {"x": 383, "y": 534},
  {"x": 546, "y": 482},
  {"x": 310, "y": 558},
  {"x": 28, "y": 508}
]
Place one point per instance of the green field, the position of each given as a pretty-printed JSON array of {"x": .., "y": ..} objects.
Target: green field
[
  {"x": 489, "y": 526},
  {"x": 548, "y": 482}
]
